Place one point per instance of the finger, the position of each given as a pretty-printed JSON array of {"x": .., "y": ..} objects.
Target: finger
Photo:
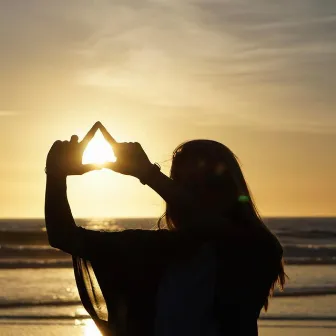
[
  {"x": 122, "y": 149},
  {"x": 54, "y": 154},
  {"x": 54, "y": 148},
  {"x": 107, "y": 135},
  {"x": 55, "y": 145},
  {"x": 88, "y": 137},
  {"x": 115, "y": 166},
  {"x": 90, "y": 167},
  {"x": 74, "y": 139}
]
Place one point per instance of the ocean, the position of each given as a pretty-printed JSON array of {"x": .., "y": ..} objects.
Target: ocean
[{"x": 38, "y": 287}]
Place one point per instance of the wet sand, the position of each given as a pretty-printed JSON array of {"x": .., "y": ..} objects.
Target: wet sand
[{"x": 266, "y": 328}]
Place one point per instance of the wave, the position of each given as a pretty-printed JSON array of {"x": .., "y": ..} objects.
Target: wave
[
  {"x": 16, "y": 264},
  {"x": 28, "y": 304},
  {"x": 86, "y": 317},
  {"x": 289, "y": 292},
  {"x": 41, "y": 235},
  {"x": 292, "y": 248},
  {"x": 310, "y": 261},
  {"x": 24, "y": 243},
  {"x": 327, "y": 239},
  {"x": 23, "y": 238},
  {"x": 313, "y": 233},
  {"x": 24, "y": 264},
  {"x": 33, "y": 252},
  {"x": 300, "y": 227},
  {"x": 44, "y": 317},
  {"x": 306, "y": 291},
  {"x": 297, "y": 318},
  {"x": 64, "y": 261}
]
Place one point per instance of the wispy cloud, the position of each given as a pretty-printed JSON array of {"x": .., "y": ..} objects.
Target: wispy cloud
[
  {"x": 252, "y": 63},
  {"x": 268, "y": 59}
]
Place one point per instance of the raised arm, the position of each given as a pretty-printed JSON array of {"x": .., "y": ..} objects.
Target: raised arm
[
  {"x": 60, "y": 224},
  {"x": 64, "y": 159},
  {"x": 64, "y": 234}
]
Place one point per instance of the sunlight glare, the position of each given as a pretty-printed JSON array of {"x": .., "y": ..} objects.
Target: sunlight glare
[
  {"x": 91, "y": 329},
  {"x": 98, "y": 151}
]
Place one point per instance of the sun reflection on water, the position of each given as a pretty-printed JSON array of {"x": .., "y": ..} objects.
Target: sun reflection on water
[{"x": 90, "y": 329}]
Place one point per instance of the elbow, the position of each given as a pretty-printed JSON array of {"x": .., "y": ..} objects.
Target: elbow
[
  {"x": 60, "y": 245},
  {"x": 53, "y": 238},
  {"x": 55, "y": 243},
  {"x": 62, "y": 242},
  {"x": 56, "y": 240}
]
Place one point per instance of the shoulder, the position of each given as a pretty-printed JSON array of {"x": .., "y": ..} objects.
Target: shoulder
[
  {"x": 132, "y": 236},
  {"x": 154, "y": 240},
  {"x": 250, "y": 241}
]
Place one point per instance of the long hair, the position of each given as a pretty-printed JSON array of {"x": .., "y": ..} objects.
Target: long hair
[{"x": 206, "y": 168}]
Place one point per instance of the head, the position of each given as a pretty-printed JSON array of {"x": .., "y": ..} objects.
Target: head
[{"x": 211, "y": 171}]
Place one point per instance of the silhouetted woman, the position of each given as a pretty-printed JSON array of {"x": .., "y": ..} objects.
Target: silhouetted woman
[{"x": 210, "y": 272}]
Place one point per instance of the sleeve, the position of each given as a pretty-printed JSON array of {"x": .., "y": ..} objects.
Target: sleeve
[
  {"x": 127, "y": 245},
  {"x": 111, "y": 267}
]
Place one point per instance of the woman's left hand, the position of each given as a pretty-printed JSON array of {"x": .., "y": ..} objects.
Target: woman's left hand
[{"x": 65, "y": 157}]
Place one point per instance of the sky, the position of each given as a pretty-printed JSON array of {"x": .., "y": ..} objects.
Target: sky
[{"x": 259, "y": 76}]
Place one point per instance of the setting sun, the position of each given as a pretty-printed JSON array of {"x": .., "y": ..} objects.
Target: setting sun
[{"x": 98, "y": 151}]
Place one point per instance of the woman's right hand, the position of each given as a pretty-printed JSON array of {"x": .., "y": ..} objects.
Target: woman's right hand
[{"x": 131, "y": 158}]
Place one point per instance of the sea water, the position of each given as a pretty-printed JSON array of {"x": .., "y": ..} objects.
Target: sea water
[{"x": 37, "y": 282}]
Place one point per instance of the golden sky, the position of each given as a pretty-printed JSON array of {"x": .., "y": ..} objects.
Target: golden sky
[{"x": 258, "y": 76}]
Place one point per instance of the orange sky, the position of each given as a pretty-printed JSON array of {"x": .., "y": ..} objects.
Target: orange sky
[{"x": 258, "y": 78}]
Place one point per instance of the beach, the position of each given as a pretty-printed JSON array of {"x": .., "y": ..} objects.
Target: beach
[
  {"x": 285, "y": 328},
  {"x": 87, "y": 328},
  {"x": 39, "y": 294}
]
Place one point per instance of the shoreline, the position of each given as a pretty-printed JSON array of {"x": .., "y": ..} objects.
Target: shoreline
[
  {"x": 33, "y": 264},
  {"x": 87, "y": 327}
]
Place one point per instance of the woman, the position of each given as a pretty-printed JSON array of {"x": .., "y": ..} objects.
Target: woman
[{"x": 209, "y": 273}]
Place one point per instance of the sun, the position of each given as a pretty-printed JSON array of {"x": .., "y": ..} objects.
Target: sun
[{"x": 98, "y": 151}]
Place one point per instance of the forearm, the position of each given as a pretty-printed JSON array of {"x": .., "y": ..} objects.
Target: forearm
[
  {"x": 58, "y": 217},
  {"x": 170, "y": 191}
]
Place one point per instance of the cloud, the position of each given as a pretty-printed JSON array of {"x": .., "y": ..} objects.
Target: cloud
[
  {"x": 276, "y": 124},
  {"x": 254, "y": 63}
]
